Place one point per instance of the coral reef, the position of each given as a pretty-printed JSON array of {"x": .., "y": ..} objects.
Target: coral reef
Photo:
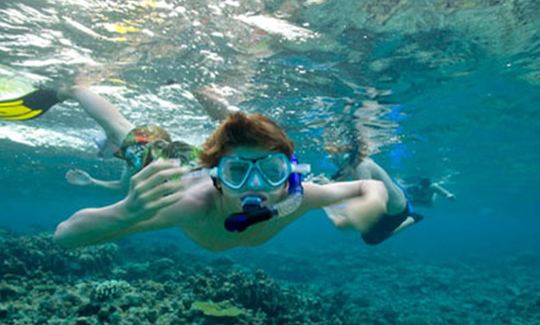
[
  {"x": 41, "y": 283},
  {"x": 34, "y": 255},
  {"x": 110, "y": 289},
  {"x": 45, "y": 283}
]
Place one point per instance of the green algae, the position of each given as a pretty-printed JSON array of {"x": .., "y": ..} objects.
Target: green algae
[{"x": 217, "y": 309}]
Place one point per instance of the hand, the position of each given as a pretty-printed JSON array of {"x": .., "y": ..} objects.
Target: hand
[
  {"x": 155, "y": 187},
  {"x": 78, "y": 177},
  {"x": 451, "y": 197},
  {"x": 339, "y": 219}
]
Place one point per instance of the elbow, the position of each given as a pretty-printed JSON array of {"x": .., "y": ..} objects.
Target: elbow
[{"x": 62, "y": 236}]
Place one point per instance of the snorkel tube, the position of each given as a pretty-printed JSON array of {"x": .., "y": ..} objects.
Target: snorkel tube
[{"x": 253, "y": 212}]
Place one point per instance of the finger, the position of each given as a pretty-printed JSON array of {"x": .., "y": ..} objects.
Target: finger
[
  {"x": 164, "y": 201},
  {"x": 165, "y": 189},
  {"x": 153, "y": 168},
  {"x": 160, "y": 178}
]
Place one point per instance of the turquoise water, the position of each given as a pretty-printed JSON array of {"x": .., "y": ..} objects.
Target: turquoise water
[{"x": 448, "y": 90}]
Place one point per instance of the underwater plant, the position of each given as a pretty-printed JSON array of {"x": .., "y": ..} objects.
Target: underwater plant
[{"x": 217, "y": 309}]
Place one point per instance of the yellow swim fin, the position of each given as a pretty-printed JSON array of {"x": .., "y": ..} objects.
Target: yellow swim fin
[{"x": 28, "y": 106}]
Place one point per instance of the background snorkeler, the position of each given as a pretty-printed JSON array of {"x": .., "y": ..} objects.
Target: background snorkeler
[
  {"x": 358, "y": 165},
  {"x": 425, "y": 192},
  {"x": 123, "y": 138}
]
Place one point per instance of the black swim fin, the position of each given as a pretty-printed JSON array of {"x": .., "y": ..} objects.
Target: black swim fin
[{"x": 28, "y": 106}]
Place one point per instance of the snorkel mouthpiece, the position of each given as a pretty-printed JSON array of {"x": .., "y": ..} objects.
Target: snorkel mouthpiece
[
  {"x": 253, "y": 212},
  {"x": 251, "y": 202}
]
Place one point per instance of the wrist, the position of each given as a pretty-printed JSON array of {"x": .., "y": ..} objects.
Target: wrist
[
  {"x": 128, "y": 215},
  {"x": 93, "y": 181},
  {"x": 123, "y": 213}
]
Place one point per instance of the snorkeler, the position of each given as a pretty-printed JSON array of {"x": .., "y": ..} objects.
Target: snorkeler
[
  {"x": 138, "y": 146},
  {"x": 116, "y": 128},
  {"x": 398, "y": 206},
  {"x": 425, "y": 192},
  {"x": 39, "y": 101},
  {"x": 122, "y": 137},
  {"x": 249, "y": 187},
  {"x": 357, "y": 165}
]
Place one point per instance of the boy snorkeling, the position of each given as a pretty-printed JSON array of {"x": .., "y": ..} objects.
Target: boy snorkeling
[
  {"x": 138, "y": 146},
  {"x": 251, "y": 191}
]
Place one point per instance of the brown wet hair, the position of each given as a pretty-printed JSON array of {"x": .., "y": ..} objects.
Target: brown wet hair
[{"x": 239, "y": 129}]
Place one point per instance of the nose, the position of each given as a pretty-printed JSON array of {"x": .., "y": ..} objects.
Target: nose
[{"x": 255, "y": 180}]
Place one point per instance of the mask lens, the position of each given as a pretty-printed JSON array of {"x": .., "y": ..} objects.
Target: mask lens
[
  {"x": 183, "y": 151},
  {"x": 275, "y": 168},
  {"x": 135, "y": 155},
  {"x": 234, "y": 172},
  {"x": 159, "y": 149}
]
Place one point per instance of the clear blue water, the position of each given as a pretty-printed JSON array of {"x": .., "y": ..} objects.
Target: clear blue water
[{"x": 457, "y": 84}]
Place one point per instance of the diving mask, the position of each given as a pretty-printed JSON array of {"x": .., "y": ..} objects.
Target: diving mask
[
  {"x": 254, "y": 212},
  {"x": 140, "y": 155},
  {"x": 274, "y": 169}
]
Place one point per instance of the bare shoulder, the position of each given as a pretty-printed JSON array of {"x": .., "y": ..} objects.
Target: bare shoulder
[
  {"x": 196, "y": 201},
  {"x": 199, "y": 199}
]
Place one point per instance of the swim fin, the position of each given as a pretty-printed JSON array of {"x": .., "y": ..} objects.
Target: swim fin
[{"x": 28, "y": 106}]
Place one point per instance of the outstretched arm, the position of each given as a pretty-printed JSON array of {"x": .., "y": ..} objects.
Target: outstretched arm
[
  {"x": 81, "y": 178},
  {"x": 151, "y": 190},
  {"x": 441, "y": 190},
  {"x": 360, "y": 204}
]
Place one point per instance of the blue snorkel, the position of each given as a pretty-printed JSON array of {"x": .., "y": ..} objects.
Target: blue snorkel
[{"x": 253, "y": 212}]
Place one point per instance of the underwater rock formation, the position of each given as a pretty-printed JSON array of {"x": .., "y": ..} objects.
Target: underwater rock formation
[
  {"x": 162, "y": 285},
  {"x": 34, "y": 255},
  {"x": 42, "y": 282}
]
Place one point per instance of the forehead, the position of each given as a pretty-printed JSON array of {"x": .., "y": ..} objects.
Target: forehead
[{"x": 249, "y": 152}]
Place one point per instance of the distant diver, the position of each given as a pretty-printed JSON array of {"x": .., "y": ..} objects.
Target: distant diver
[{"x": 425, "y": 192}]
